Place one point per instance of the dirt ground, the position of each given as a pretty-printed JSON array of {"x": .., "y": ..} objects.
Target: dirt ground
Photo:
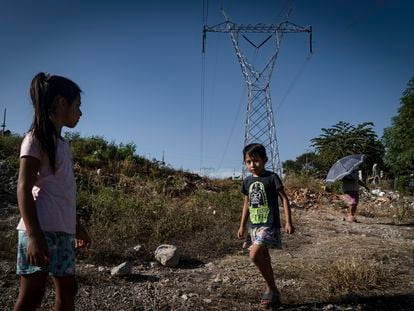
[{"x": 328, "y": 264}]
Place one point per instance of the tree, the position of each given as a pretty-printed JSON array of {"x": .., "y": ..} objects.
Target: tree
[
  {"x": 306, "y": 163},
  {"x": 343, "y": 139},
  {"x": 398, "y": 139}
]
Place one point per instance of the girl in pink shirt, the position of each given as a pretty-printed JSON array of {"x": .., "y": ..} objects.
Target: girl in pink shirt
[{"x": 46, "y": 193}]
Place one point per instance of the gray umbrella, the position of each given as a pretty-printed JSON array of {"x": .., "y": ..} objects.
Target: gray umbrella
[{"x": 344, "y": 166}]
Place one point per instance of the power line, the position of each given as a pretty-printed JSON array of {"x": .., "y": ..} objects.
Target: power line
[{"x": 292, "y": 84}]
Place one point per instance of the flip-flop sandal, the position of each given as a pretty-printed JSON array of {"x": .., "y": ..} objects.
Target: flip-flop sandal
[{"x": 269, "y": 300}]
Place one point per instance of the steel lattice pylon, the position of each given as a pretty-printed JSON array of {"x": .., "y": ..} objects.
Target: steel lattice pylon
[{"x": 260, "y": 125}]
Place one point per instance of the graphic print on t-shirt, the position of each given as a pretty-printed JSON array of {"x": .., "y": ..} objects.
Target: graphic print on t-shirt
[{"x": 259, "y": 207}]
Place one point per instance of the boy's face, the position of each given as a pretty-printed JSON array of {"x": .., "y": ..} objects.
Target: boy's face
[{"x": 255, "y": 165}]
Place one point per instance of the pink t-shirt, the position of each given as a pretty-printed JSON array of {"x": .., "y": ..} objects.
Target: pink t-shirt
[{"x": 54, "y": 193}]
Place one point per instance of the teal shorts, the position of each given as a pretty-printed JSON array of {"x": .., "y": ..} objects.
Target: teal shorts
[
  {"x": 61, "y": 255},
  {"x": 266, "y": 236}
]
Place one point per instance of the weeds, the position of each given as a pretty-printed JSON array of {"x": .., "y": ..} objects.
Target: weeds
[
  {"x": 403, "y": 211},
  {"x": 353, "y": 274},
  {"x": 202, "y": 226},
  {"x": 303, "y": 181}
]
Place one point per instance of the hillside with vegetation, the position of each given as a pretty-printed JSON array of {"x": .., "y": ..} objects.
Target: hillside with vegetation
[{"x": 127, "y": 201}]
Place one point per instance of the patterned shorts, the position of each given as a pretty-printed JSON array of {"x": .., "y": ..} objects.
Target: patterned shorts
[
  {"x": 350, "y": 197},
  {"x": 61, "y": 255},
  {"x": 266, "y": 236}
]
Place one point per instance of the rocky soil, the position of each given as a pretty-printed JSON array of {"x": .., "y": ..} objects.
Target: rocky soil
[{"x": 312, "y": 271}]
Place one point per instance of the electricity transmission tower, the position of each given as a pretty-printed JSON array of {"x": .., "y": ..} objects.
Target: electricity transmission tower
[{"x": 260, "y": 125}]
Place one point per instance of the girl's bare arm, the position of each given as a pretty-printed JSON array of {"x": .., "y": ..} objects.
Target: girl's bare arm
[{"x": 37, "y": 251}]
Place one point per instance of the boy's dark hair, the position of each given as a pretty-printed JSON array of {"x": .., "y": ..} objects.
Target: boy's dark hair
[
  {"x": 44, "y": 90},
  {"x": 254, "y": 150}
]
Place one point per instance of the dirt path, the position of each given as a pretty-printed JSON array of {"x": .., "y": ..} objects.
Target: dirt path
[{"x": 328, "y": 264}]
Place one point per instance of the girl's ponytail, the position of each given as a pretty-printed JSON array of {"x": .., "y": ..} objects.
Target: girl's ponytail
[{"x": 44, "y": 90}]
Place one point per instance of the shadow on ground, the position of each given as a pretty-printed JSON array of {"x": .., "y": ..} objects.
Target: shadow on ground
[{"x": 355, "y": 302}]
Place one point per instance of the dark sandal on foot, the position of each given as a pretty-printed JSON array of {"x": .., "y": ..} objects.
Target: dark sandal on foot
[{"x": 269, "y": 300}]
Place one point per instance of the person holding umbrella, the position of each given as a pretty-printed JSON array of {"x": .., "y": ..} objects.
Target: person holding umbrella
[
  {"x": 350, "y": 188},
  {"x": 346, "y": 170}
]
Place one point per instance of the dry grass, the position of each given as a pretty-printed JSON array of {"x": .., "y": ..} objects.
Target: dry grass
[{"x": 353, "y": 274}]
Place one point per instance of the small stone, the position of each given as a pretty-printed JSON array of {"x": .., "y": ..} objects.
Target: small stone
[{"x": 123, "y": 269}]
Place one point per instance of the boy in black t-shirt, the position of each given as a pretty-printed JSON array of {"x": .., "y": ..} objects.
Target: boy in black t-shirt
[{"x": 261, "y": 191}]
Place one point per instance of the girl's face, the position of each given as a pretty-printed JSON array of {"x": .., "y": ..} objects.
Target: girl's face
[
  {"x": 73, "y": 113},
  {"x": 255, "y": 165}
]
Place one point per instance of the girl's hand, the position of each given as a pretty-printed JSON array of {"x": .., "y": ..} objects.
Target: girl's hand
[
  {"x": 289, "y": 229},
  {"x": 240, "y": 233},
  {"x": 82, "y": 238},
  {"x": 37, "y": 251}
]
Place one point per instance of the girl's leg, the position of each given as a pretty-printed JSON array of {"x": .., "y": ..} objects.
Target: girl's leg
[
  {"x": 352, "y": 209},
  {"x": 66, "y": 289},
  {"x": 261, "y": 258},
  {"x": 31, "y": 291}
]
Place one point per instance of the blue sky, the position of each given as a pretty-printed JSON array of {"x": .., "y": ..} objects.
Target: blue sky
[{"x": 139, "y": 65}]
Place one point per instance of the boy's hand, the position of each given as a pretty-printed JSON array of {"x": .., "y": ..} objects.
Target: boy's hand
[
  {"x": 289, "y": 229},
  {"x": 240, "y": 233}
]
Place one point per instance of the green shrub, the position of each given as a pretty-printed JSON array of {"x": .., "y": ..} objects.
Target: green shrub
[
  {"x": 303, "y": 181},
  {"x": 10, "y": 148},
  {"x": 404, "y": 184}
]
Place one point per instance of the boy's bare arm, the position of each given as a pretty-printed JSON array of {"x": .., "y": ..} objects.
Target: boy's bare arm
[
  {"x": 245, "y": 214},
  {"x": 286, "y": 208}
]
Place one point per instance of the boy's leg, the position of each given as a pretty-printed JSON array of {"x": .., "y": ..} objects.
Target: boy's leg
[
  {"x": 31, "y": 291},
  {"x": 260, "y": 256},
  {"x": 66, "y": 289}
]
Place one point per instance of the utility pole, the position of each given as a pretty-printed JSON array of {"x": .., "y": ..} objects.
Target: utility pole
[
  {"x": 260, "y": 125},
  {"x": 4, "y": 122}
]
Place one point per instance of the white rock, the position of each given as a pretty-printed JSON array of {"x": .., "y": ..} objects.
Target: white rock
[
  {"x": 137, "y": 248},
  {"x": 167, "y": 255},
  {"x": 123, "y": 269},
  {"x": 153, "y": 264}
]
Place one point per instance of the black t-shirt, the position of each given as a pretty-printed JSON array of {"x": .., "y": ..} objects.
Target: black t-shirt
[{"x": 263, "y": 202}]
